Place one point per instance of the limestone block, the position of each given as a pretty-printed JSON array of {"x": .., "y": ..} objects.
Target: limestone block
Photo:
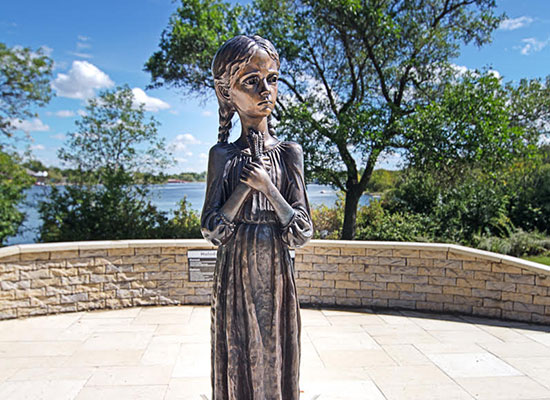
[
  {"x": 56, "y": 255},
  {"x": 323, "y": 283},
  {"x": 147, "y": 250},
  {"x": 503, "y": 305},
  {"x": 339, "y": 259},
  {"x": 93, "y": 253},
  {"x": 518, "y": 297},
  {"x": 353, "y": 251},
  {"x": 327, "y": 250},
  {"x": 412, "y": 296},
  {"x": 325, "y": 267},
  {"x": 477, "y": 265},
  {"x": 414, "y": 279},
  {"x": 490, "y": 294},
  {"x": 348, "y": 284},
  {"x": 122, "y": 251},
  {"x": 504, "y": 286},
  {"x": 516, "y": 278},
  {"x": 427, "y": 288}
]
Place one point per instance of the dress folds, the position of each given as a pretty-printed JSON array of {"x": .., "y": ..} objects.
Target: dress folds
[{"x": 255, "y": 312}]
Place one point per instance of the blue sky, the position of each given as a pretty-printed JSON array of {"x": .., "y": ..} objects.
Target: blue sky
[{"x": 103, "y": 43}]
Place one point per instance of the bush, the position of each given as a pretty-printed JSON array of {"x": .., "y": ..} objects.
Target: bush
[
  {"x": 518, "y": 244},
  {"x": 327, "y": 221},
  {"x": 186, "y": 223},
  {"x": 374, "y": 222},
  {"x": 106, "y": 212}
]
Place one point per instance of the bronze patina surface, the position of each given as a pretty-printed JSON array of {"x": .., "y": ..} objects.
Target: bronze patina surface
[{"x": 255, "y": 209}]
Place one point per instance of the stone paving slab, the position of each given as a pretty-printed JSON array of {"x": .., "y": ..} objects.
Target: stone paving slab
[{"x": 163, "y": 353}]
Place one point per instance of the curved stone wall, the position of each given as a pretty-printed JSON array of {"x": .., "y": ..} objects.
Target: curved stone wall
[{"x": 63, "y": 277}]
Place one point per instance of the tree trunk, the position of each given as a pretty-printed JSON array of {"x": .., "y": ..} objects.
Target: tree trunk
[{"x": 350, "y": 212}]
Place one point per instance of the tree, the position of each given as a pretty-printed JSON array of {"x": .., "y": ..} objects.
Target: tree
[
  {"x": 113, "y": 141},
  {"x": 24, "y": 83},
  {"x": 354, "y": 72},
  {"x": 13, "y": 181}
]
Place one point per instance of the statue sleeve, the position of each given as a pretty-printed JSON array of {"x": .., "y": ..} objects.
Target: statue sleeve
[
  {"x": 214, "y": 226},
  {"x": 300, "y": 228}
]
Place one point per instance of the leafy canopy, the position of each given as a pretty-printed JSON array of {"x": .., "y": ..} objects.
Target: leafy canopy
[{"x": 24, "y": 83}]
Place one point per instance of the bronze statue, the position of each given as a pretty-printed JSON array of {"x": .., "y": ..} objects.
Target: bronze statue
[{"x": 255, "y": 209}]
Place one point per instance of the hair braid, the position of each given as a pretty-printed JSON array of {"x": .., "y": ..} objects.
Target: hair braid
[{"x": 225, "y": 113}]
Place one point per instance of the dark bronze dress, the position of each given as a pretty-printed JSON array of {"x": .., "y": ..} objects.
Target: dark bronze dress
[{"x": 255, "y": 312}]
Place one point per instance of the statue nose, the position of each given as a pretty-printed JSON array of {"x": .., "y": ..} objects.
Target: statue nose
[{"x": 264, "y": 86}]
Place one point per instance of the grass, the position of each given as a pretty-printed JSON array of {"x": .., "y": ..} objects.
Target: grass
[{"x": 539, "y": 259}]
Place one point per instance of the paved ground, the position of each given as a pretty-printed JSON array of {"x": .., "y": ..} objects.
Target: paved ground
[{"x": 162, "y": 353}]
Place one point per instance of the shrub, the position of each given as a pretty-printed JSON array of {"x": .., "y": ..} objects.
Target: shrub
[
  {"x": 374, "y": 222},
  {"x": 518, "y": 244}
]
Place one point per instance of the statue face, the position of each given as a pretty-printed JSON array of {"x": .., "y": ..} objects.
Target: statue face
[{"x": 254, "y": 88}]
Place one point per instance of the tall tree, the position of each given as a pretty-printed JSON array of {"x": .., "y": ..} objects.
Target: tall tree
[
  {"x": 353, "y": 72},
  {"x": 113, "y": 141},
  {"x": 24, "y": 84}
]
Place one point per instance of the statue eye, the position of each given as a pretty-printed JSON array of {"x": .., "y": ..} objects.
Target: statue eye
[
  {"x": 272, "y": 78},
  {"x": 253, "y": 80}
]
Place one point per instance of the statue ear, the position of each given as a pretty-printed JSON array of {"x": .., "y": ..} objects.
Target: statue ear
[{"x": 223, "y": 92}]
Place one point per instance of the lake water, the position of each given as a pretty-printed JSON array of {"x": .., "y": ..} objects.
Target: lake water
[{"x": 165, "y": 197}]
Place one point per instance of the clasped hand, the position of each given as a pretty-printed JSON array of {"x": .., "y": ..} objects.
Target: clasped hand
[{"x": 254, "y": 174}]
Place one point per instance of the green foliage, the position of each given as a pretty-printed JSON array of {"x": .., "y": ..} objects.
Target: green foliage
[
  {"x": 24, "y": 83},
  {"x": 475, "y": 205},
  {"x": 382, "y": 180},
  {"x": 13, "y": 181},
  {"x": 112, "y": 144},
  {"x": 351, "y": 71},
  {"x": 115, "y": 210},
  {"x": 518, "y": 244},
  {"x": 186, "y": 223},
  {"x": 374, "y": 222},
  {"x": 530, "y": 198},
  {"x": 194, "y": 33},
  {"x": 328, "y": 220},
  {"x": 471, "y": 125}
]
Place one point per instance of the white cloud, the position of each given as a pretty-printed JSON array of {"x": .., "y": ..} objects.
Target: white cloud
[
  {"x": 532, "y": 45},
  {"x": 460, "y": 69},
  {"x": 150, "y": 103},
  {"x": 206, "y": 113},
  {"x": 80, "y": 54},
  {"x": 179, "y": 144},
  {"x": 81, "y": 113},
  {"x": 58, "y": 136},
  {"x": 511, "y": 24},
  {"x": 83, "y": 38},
  {"x": 203, "y": 156},
  {"x": 37, "y": 147},
  {"x": 33, "y": 125},
  {"x": 46, "y": 50},
  {"x": 82, "y": 81},
  {"x": 64, "y": 113},
  {"x": 80, "y": 45}
]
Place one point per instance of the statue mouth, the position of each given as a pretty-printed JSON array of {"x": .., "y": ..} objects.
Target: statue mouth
[{"x": 264, "y": 102}]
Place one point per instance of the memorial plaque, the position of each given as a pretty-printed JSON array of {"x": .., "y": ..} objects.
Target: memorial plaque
[
  {"x": 203, "y": 262},
  {"x": 201, "y": 265}
]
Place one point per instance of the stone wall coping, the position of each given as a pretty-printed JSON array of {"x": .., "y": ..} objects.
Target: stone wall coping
[{"x": 117, "y": 244}]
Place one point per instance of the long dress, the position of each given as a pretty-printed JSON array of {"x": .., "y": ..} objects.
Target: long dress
[{"x": 255, "y": 313}]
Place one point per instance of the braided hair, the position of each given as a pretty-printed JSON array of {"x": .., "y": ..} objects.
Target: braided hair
[{"x": 229, "y": 59}]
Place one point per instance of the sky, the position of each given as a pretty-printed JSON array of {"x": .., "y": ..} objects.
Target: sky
[{"x": 102, "y": 44}]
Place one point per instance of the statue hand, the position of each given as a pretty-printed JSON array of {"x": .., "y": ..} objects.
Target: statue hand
[{"x": 255, "y": 176}]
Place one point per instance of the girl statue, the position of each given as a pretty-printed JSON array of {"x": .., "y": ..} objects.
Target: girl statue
[{"x": 255, "y": 209}]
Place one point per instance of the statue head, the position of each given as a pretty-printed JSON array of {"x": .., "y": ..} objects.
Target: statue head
[{"x": 231, "y": 57}]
